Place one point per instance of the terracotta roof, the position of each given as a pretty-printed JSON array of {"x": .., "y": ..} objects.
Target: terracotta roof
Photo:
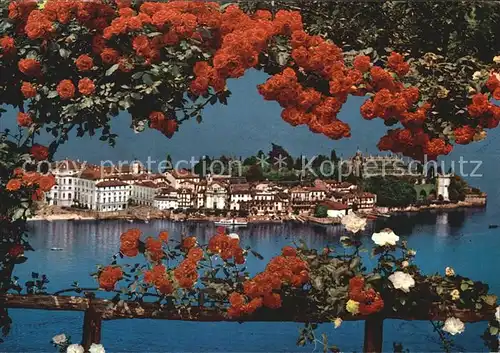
[
  {"x": 110, "y": 183},
  {"x": 67, "y": 164},
  {"x": 148, "y": 184},
  {"x": 332, "y": 205},
  {"x": 183, "y": 174},
  {"x": 90, "y": 174}
]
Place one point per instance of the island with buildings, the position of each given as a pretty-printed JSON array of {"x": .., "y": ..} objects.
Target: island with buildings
[{"x": 374, "y": 186}]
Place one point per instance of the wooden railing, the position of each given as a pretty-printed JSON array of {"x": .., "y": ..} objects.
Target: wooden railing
[{"x": 97, "y": 310}]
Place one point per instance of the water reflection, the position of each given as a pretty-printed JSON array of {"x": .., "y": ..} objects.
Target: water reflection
[{"x": 462, "y": 237}]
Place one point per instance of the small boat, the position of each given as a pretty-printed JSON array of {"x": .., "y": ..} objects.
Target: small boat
[
  {"x": 56, "y": 249},
  {"x": 491, "y": 226},
  {"x": 231, "y": 223},
  {"x": 130, "y": 220}
]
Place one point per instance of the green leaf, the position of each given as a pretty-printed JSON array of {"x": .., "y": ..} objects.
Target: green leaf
[
  {"x": 52, "y": 94},
  {"x": 464, "y": 287},
  {"x": 146, "y": 78},
  {"x": 112, "y": 69},
  {"x": 65, "y": 53},
  {"x": 489, "y": 299},
  {"x": 493, "y": 330}
]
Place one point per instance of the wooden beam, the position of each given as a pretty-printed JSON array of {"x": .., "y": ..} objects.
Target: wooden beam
[
  {"x": 130, "y": 309},
  {"x": 374, "y": 335}
]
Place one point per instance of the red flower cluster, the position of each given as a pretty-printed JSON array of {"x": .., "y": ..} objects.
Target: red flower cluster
[
  {"x": 24, "y": 120},
  {"x": 369, "y": 300},
  {"x": 41, "y": 183},
  {"x": 287, "y": 269},
  {"x": 159, "y": 278},
  {"x": 186, "y": 274},
  {"x": 158, "y": 121},
  {"x": 305, "y": 106},
  {"x": 226, "y": 247},
  {"x": 464, "y": 134},
  {"x": 129, "y": 242},
  {"x": 109, "y": 276},
  {"x": 66, "y": 89},
  {"x": 397, "y": 64},
  {"x": 30, "y": 67},
  {"x": 481, "y": 107},
  {"x": 28, "y": 90},
  {"x": 8, "y": 45},
  {"x": 414, "y": 143},
  {"x": 154, "y": 248},
  {"x": 39, "y": 152}
]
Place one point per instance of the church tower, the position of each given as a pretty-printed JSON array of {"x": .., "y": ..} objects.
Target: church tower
[{"x": 442, "y": 184}]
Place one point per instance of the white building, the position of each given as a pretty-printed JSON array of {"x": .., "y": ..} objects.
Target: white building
[
  {"x": 177, "y": 177},
  {"x": 216, "y": 196},
  {"x": 167, "y": 199},
  {"x": 442, "y": 184},
  {"x": 112, "y": 195},
  {"x": 66, "y": 173},
  {"x": 143, "y": 193},
  {"x": 238, "y": 195}
]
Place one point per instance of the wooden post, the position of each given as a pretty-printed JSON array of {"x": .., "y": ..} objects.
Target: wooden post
[
  {"x": 92, "y": 322},
  {"x": 374, "y": 335}
]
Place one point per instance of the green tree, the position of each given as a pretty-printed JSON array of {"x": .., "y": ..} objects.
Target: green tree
[
  {"x": 254, "y": 173},
  {"x": 321, "y": 211},
  {"x": 391, "y": 191},
  {"x": 457, "y": 189}
]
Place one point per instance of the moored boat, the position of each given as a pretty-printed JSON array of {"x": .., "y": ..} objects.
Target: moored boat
[{"x": 230, "y": 223}]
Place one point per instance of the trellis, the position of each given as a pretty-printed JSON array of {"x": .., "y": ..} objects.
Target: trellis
[{"x": 96, "y": 310}]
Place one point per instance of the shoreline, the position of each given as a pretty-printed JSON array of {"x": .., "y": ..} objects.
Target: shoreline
[{"x": 133, "y": 218}]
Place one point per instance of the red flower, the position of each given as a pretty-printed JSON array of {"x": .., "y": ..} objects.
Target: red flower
[
  {"x": 163, "y": 236},
  {"x": 39, "y": 152},
  {"x": 46, "y": 182},
  {"x": 16, "y": 250},
  {"x": 188, "y": 243},
  {"x": 29, "y": 67},
  {"x": 464, "y": 134},
  {"x": 289, "y": 251},
  {"x": 362, "y": 63},
  {"x": 109, "y": 276},
  {"x": 496, "y": 93},
  {"x": 24, "y": 120},
  {"x": 272, "y": 301},
  {"x": 8, "y": 45},
  {"x": 110, "y": 56},
  {"x": 368, "y": 110},
  {"x": 129, "y": 242},
  {"x": 84, "y": 63},
  {"x": 86, "y": 86},
  {"x": 154, "y": 247},
  {"x": 37, "y": 195},
  {"x": 66, "y": 89},
  {"x": 28, "y": 90},
  {"x": 13, "y": 185}
]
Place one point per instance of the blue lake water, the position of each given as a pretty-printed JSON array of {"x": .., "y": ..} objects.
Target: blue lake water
[{"x": 460, "y": 239}]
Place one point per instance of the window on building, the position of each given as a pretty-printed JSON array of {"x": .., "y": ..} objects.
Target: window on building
[
  {"x": 69, "y": 181},
  {"x": 63, "y": 195}
]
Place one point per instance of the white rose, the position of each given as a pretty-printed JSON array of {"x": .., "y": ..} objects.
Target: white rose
[
  {"x": 497, "y": 314},
  {"x": 234, "y": 236},
  {"x": 75, "y": 348},
  {"x": 353, "y": 223},
  {"x": 449, "y": 271},
  {"x": 496, "y": 59},
  {"x": 477, "y": 75},
  {"x": 59, "y": 339},
  {"x": 385, "y": 237},
  {"x": 452, "y": 325},
  {"x": 96, "y": 348},
  {"x": 405, "y": 264},
  {"x": 401, "y": 280}
]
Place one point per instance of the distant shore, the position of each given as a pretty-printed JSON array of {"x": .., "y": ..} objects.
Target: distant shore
[{"x": 147, "y": 214}]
